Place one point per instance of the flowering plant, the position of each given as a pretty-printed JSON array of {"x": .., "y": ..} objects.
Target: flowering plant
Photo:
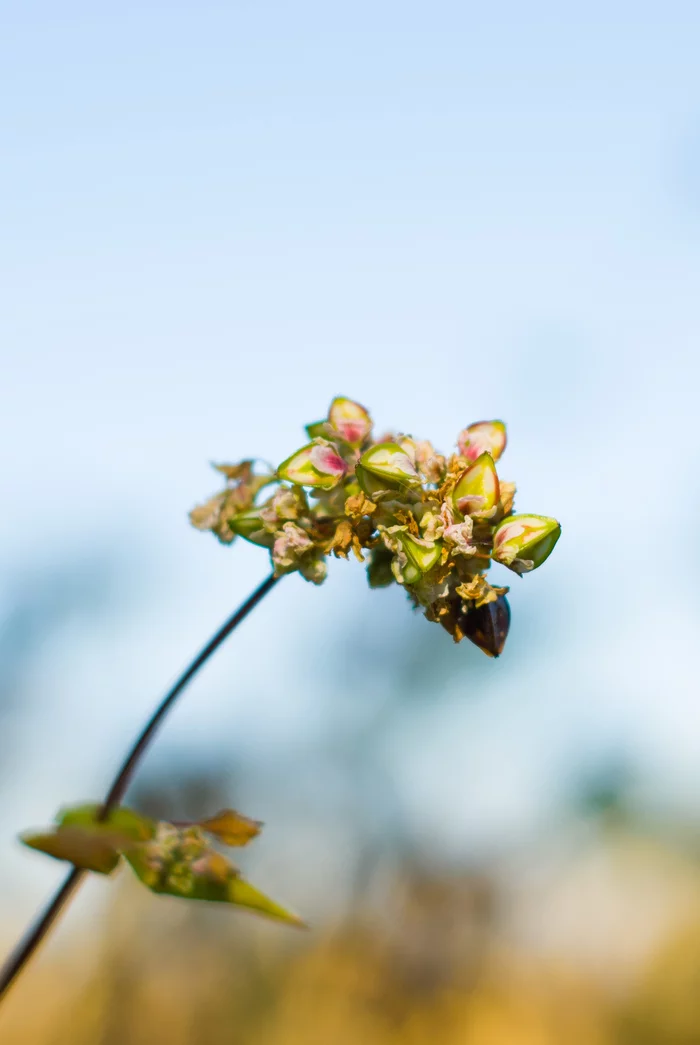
[{"x": 432, "y": 524}]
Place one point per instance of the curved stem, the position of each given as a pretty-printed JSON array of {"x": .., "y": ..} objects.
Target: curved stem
[{"x": 29, "y": 944}]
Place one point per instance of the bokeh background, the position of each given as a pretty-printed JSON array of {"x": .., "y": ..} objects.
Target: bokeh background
[{"x": 216, "y": 217}]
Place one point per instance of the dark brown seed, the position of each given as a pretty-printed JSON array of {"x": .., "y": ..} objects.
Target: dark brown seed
[{"x": 487, "y": 627}]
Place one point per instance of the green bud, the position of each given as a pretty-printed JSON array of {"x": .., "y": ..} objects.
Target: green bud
[
  {"x": 250, "y": 526},
  {"x": 422, "y": 554},
  {"x": 523, "y": 542},
  {"x": 317, "y": 464},
  {"x": 411, "y": 574},
  {"x": 388, "y": 463},
  {"x": 370, "y": 484},
  {"x": 477, "y": 492}
]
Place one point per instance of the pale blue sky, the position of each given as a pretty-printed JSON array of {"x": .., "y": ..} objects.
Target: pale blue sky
[{"x": 216, "y": 216}]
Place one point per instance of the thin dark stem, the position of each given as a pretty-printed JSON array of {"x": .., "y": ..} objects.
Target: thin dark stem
[
  {"x": 29, "y": 944},
  {"x": 123, "y": 777}
]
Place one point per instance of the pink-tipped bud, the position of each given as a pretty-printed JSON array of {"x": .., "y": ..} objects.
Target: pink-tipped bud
[
  {"x": 317, "y": 464},
  {"x": 350, "y": 420},
  {"x": 523, "y": 542},
  {"x": 482, "y": 437},
  {"x": 328, "y": 461}
]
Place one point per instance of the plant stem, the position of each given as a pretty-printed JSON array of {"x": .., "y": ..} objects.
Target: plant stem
[{"x": 36, "y": 934}]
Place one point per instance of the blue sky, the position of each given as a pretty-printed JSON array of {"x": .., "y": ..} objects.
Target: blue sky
[{"x": 217, "y": 216}]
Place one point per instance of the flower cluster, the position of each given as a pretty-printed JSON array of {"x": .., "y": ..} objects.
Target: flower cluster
[{"x": 430, "y": 523}]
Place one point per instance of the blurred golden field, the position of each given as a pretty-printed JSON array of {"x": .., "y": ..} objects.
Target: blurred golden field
[{"x": 599, "y": 945}]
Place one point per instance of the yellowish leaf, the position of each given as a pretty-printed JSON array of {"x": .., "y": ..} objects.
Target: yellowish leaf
[{"x": 230, "y": 827}]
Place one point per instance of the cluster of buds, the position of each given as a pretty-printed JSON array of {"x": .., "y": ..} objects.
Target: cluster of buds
[
  {"x": 177, "y": 859},
  {"x": 170, "y": 861},
  {"x": 430, "y": 523}
]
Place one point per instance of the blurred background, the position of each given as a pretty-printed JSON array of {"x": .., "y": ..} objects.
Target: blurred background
[{"x": 216, "y": 217}]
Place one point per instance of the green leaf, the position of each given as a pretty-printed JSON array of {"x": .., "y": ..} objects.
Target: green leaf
[
  {"x": 128, "y": 823},
  {"x": 84, "y": 841},
  {"x": 243, "y": 894},
  {"x": 317, "y": 428},
  {"x": 97, "y": 848}
]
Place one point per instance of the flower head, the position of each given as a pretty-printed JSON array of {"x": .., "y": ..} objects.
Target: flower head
[{"x": 429, "y": 522}]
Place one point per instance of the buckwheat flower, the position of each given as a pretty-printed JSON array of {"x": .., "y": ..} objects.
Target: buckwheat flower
[
  {"x": 432, "y": 525},
  {"x": 429, "y": 463},
  {"x": 458, "y": 535},
  {"x": 477, "y": 492},
  {"x": 523, "y": 542},
  {"x": 286, "y": 505},
  {"x": 251, "y": 527},
  {"x": 317, "y": 464},
  {"x": 404, "y": 571},
  {"x": 350, "y": 420},
  {"x": 327, "y": 461},
  {"x": 390, "y": 465},
  {"x": 422, "y": 553},
  {"x": 482, "y": 437},
  {"x": 291, "y": 543}
]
